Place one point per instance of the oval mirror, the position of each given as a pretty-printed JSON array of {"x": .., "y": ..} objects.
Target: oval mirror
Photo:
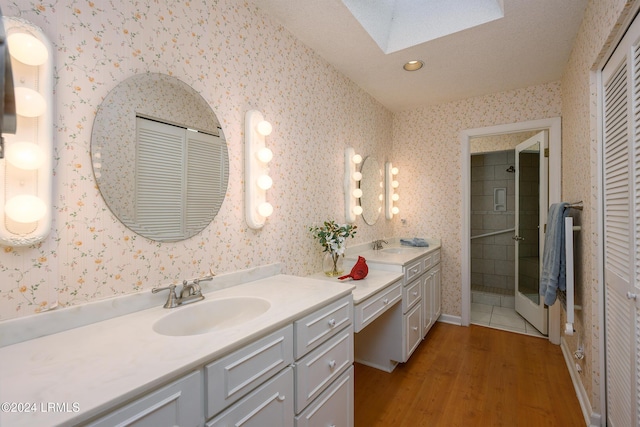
[
  {"x": 159, "y": 157},
  {"x": 372, "y": 188}
]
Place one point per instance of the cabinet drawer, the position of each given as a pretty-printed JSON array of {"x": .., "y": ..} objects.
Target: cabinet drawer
[
  {"x": 317, "y": 327},
  {"x": 411, "y": 294},
  {"x": 334, "y": 407},
  {"x": 436, "y": 257},
  {"x": 427, "y": 262},
  {"x": 271, "y": 404},
  {"x": 177, "y": 404},
  {"x": 371, "y": 308},
  {"x": 322, "y": 366},
  {"x": 412, "y": 330},
  {"x": 413, "y": 270},
  {"x": 234, "y": 375}
]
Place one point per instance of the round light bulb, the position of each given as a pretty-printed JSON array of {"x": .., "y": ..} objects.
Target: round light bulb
[
  {"x": 394, "y": 171},
  {"x": 395, "y": 184},
  {"x": 357, "y": 176},
  {"x": 395, "y": 210},
  {"x": 264, "y": 182},
  {"x": 264, "y": 155},
  {"x": 357, "y": 193},
  {"x": 380, "y": 197},
  {"x": 27, "y": 49},
  {"x": 357, "y": 210},
  {"x": 25, "y": 208},
  {"x": 25, "y": 155},
  {"x": 265, "y": 209},
  {"x": 357, "y": 159},
  {"x": 29, "y": 103},
  {"x": 264, "y": 128},
  {"x": 395, "y": 197}
]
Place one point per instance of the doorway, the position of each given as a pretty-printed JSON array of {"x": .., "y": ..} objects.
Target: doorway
[{"x": 552, "y": 126}]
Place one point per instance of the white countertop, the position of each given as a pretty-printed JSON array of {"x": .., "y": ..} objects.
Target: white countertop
[
  {"x": 109, "y": 362},
  {"x": 375, "y": 281},
  {"x": 387, "y": 255}
]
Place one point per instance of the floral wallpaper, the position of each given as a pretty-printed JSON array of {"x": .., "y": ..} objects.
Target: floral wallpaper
[
  {"x": 237, "y": 59},
  {"x": 601, "y": 29},
  {"x": 427, "y": 148}
]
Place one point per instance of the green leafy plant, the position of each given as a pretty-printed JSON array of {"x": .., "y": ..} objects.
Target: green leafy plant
[{"x": 332, "y": 236}]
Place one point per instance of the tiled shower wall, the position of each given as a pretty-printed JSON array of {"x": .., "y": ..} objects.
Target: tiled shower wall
[{"x": 492, "y": 258}]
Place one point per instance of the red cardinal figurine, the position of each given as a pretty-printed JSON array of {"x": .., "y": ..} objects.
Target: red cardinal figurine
[{"x": 359, "y": 270}]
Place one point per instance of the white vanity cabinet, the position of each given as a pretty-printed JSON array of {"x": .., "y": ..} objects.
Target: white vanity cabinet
[
  {"x": 400, "y": 330},
  {"x": 176, "y": 404},
  {"x": 324, "y": 366},
  {"x": 235, "y": 375}
]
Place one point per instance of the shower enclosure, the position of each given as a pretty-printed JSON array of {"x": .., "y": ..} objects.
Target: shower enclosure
[{"x": 508, "y": 188}]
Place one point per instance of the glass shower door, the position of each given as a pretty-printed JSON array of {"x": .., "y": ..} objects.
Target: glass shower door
[{"x": 530, "y": 217}]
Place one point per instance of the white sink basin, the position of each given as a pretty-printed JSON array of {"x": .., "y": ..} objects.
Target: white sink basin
[
  {"x": 210, "y": 315},
  {"x": 397, "y": 250}
]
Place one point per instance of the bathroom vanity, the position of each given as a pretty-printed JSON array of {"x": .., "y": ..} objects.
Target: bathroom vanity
[
  {"x": 406, "y": 305},
  {"x": 289, "y": 362}
]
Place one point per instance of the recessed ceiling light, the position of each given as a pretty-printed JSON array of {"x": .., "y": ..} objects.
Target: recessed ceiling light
[{"x": 413, "y": 65}]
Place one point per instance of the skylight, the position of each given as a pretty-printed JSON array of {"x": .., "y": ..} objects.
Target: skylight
[{"x": 398, "y": 24}]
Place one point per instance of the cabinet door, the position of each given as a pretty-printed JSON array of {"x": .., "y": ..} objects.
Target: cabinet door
[
  {"x": 271, "y": 405},
  {"x": 412, "y": 330},
  {"x": 436, "y": 309},
  {"x": 233, "y": 376},
  {"x": 334, "y": 407},
  {"x": 177, "y": 404},
  {"x": 427, "y": 303}
]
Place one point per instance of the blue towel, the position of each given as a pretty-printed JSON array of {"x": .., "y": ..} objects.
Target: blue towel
[
  {"x": 416, "y": 241},
  {"x": 554, "y": 268}
]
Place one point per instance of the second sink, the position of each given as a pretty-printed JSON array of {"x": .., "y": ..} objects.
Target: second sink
[{"x": 210, "y": 315}]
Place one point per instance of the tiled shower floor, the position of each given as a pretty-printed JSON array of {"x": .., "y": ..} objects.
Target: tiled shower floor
[{"x": 496, "y": 310}]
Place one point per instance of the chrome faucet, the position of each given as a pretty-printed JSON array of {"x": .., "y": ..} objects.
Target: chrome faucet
[
  {"x": 191, "y": 292},
  {"x": 377, "y": 244}
]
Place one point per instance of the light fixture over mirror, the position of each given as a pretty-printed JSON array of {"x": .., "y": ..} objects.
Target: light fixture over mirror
[
  {"x": 391, "y": 184},
  {"x": 159, "y": 157},
  {"x": 26, "y": 169},
  {"x": 257, "y": 180},
  {"x": 352, "y": 191}
]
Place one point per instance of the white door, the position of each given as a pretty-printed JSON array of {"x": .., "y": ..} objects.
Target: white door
[
  {"x": 530, "y": 217},
  {"x": 621, "y": 212}
]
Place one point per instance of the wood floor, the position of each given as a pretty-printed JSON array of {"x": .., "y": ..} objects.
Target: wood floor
[{"x": 470, "y": 376}]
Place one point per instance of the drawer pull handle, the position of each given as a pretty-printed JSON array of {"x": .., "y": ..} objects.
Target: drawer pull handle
[
  {"x": 385, "y": 301},
  {"x": 332, "y": 364},
  {"x": 281, "y": 397},
  {"x": 332, "y": 322},
  {"x": 415, "y": 328},
  {"x": 631, "y": 295},
  {"x": 414, "y": 293}
]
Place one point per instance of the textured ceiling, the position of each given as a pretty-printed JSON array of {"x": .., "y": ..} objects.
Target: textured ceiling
[{"x": 530, "y": 45}]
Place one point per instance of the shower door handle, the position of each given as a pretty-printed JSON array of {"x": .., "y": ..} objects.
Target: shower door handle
[{"x": 517, "y": 238}]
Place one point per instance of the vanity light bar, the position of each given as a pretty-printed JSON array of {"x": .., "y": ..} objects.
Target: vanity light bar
[
  {"x": 26, "y": 171},
  {"x": 351, "y": 190},
  {"x": 390, "y": 186},
  {"x": 257, "y": 179}
]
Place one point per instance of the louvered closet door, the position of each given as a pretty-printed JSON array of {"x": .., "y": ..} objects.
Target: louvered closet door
[{"x": 621, "y": 163}]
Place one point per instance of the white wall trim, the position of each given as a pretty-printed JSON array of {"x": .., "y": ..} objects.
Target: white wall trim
[
  {"x": 591, "y": 418},
  {"x": 553, "y": 125}
]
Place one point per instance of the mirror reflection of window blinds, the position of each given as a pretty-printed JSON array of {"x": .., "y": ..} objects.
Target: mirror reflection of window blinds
[
  {"x": 205, "y": 167},
  {"x": 175, "y": 171}
]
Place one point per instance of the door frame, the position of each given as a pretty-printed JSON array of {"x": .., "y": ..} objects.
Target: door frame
[{"x": 553, "y": 126}]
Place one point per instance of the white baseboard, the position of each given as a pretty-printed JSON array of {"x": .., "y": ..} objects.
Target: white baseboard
[
  {"x": 447, "y": 318},
  {"x": 591, "y": 418}
]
